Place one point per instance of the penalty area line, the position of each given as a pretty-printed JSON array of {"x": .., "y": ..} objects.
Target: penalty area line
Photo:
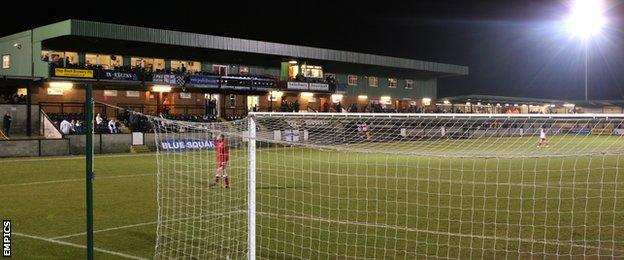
[
  {"x": 77, "y": 179},
  {"x": 101, "y": 250}
]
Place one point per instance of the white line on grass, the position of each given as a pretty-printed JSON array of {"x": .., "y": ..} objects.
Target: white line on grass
[
  {"x": 346, "y": 222},
  {"x": 78, "y": 157},
  {"x": 79, "y": 246},
  {"x": 148, "y": 223},
  {"x": 73, "y": 180}
]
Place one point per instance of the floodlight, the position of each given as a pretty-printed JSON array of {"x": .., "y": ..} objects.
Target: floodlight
[{"x": 586, "y": 18}]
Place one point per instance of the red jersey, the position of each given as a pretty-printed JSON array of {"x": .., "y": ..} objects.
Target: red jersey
[{"x": 223, "y": 152}]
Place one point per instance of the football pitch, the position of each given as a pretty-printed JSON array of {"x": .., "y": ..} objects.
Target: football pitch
[{"x": 325, "y": 204}]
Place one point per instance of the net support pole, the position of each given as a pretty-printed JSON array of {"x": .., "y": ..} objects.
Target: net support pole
[
  {"x": 89, "y": 168},
  {"x": 251, "y": 188}
]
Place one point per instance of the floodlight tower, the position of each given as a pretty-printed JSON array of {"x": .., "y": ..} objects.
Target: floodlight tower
[{"x": 586, "y": 20}]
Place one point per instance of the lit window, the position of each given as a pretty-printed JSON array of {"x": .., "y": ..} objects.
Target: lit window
[
  {"x": 187, "y": 66},
  {"x": 352, "y": 80},
  {"x": 312, "y": 71},
  {"x": 6, "y": 61},
  {"x": 409, "y": 84},
  {"x": 392, "y": 83},
  {"x": 372, "y": 81},
  {"x": 149, "y": 64}
]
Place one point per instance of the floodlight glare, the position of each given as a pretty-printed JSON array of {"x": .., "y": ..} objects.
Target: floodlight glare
[{"x": 586, "y": 18}]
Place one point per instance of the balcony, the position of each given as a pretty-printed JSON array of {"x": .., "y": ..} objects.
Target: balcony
[{"x": 190, "y": 80}]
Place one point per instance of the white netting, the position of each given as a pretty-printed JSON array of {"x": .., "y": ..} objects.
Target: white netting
[{"x": 396, "y": 186}]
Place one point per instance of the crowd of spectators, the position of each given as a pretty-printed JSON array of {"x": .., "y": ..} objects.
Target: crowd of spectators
[{"x": 12, "y": 98}]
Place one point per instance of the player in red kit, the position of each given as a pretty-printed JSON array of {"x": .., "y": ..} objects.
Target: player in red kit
[{"x": 223, "y": 155}]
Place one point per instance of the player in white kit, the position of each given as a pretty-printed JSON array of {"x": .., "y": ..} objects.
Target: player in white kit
[{"x": 542, "y": 140}]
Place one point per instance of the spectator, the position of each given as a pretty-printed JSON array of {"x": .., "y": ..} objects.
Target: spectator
[
  {"x": 98, "y": 123},
  {"x": 183, "y": 69},
  {"x": 112, "y": 126},
  {"x": 65, "y": 127},
  {"x": 326, "y": 107},
  {"x": 72, "y": 129},
  {"x": 338, "y": 107},
  {"x": 134, "y": 122},
  {"x": 6, "y": 122},
  {"x": 295, "y": 106},
  {"x": 166, "y": 106},
  {"x": 353, "y": 108},
  {"x": 98, "y": 119},
  {"x": 78, "y": 127}
]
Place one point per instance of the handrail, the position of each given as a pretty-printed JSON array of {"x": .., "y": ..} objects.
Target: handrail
[{"x": 45, "y": 116}]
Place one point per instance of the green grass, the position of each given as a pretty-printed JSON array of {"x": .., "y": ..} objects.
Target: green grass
[{"x": 326, "y": 204}]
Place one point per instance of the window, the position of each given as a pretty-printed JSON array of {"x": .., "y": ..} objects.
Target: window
[
  {"x": 149, "y": 64},
  {"x": 409, "y": 84},
  {"x": 220, "y": 69},
  {"x": 189, "y": 66},
  {"x": 312, "y": 71},
  {"x": 107, "y": 61},
  {"x": 22, "y": 91},
  {"x": 392, "y": 83},
  {"x": 6, "y": 61},
  {"x": 352, "y": 80},
  {"x": 59, "y": 57},
  {"x": 372, "y": 81},
  {"x": 243, "y": 70}
]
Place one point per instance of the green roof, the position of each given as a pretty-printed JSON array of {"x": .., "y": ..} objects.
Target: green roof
[{"x": 92, "y": 29}]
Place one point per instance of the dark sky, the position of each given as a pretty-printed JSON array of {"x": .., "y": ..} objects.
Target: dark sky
[{"x": 513, "y": 48}]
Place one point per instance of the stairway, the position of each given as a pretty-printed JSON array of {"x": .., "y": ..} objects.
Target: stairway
[{"x": 139, "y": 149}]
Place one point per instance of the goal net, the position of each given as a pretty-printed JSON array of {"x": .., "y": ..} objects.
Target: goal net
[{"x": 391, "y": 186}]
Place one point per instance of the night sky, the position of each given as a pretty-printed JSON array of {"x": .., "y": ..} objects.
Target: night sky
[{"x": 513, "y": 48}]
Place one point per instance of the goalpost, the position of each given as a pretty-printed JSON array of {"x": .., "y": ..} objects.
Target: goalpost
[{"x": 392, "y": 186}]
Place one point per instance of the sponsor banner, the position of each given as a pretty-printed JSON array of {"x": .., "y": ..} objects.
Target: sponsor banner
[
  {"x": 204, "y": 80},
  {"x": 177, "y": 145},
  {"x": 132, "y": 93},
  {"x": 291, "y": 135},
  {"x": 575, "y": 130},
  {"x": 297, "y": 85},
  {"x": 73, "y": 73},
  {"x": 319, "y": 86},
  {"x": 118, "y": 75},
  {"x": 165, "y": 78}
]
